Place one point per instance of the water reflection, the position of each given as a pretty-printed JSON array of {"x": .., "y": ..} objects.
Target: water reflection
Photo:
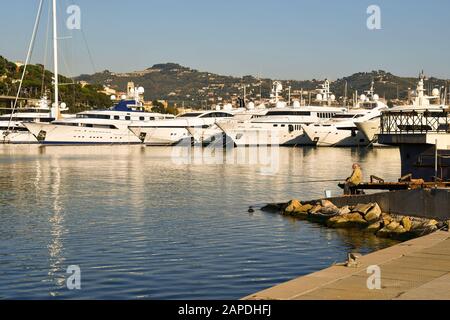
[
  {"x": 140, "y": 225},
  {"x": 57, "y": 229}
]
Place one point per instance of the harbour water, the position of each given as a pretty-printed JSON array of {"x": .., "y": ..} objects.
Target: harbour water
[{"x": 143, "y": 225}]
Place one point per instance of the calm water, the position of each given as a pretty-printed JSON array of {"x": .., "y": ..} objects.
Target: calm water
[{"x": 143, "y": 226}]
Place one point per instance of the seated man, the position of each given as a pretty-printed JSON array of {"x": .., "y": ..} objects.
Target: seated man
[{"x": 354, "y": 180}]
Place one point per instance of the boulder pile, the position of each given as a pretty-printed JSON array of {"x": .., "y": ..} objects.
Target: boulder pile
[{"x": 368, "y": 217}]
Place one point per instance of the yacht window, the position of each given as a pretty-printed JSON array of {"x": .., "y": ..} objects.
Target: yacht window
[
  {"x": 116, "y": 117},
  {"x": 288, "y": 113},
  {"x": 128, "y": 118},
  {"x": 343, "y": 116},
  {"x": 93, "y": 116},
  {"x": 46, "y": 120},
  {"x": 210, "y": 115},
  {"x": 152, "y": 118},
  {"x": 291, "y": 128},
  {"x": 141, "y": 118},
  {"x": 190, "y": 115}
]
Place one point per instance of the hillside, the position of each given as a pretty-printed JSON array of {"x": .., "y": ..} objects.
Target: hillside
[
  {"x": 179, "y": 84},
  {"x": 76, "y": 97}
]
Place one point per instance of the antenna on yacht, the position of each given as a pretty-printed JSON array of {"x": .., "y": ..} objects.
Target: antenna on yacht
[
  {"x": 289, "y": 95},
  {"x": 55, "y": 107},
  {"x": 345, "y": 93}
]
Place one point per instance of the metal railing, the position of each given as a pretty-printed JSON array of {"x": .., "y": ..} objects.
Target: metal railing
[{"x": 413, "y": 122}]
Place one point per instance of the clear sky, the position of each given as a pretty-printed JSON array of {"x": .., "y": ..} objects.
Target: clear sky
[{"x": 284, "y": 39}]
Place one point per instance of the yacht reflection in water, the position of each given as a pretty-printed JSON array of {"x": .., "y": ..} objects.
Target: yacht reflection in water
[{"x": 56, "y": 272}]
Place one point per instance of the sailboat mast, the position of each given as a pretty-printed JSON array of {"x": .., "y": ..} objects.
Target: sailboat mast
[{"x": 55, "y": 109}]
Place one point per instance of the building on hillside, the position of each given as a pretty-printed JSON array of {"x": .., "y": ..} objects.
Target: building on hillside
[
  {"x": 109, "y": 91},
  {"x": 83, "y": 83},
  {"x": 19, "y": 64}
]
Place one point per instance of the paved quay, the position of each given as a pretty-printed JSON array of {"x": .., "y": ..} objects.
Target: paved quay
[{"x": 417, "y": 269}]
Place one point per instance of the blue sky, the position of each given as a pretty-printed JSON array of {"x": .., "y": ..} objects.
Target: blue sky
[{"x": 284, "y": 39}]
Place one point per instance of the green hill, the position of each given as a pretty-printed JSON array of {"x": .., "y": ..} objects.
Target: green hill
[
  {"x": 37, "y": 81},
  {"x": 182, "y": 85}
]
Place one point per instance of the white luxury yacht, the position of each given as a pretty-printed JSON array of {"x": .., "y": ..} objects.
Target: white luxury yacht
[
  {"x": 174, "y": 131},
  {"x": 371, "y": 128},
  {"x": 281, "y": 125},
  {"x": 12, "y": 129},
  {"x": 214, "y": 134},
  {"x": 96, "y": 126},
  {"x": 341, "y": 130}
]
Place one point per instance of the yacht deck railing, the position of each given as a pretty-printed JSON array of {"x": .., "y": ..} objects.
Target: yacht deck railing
[{"x": 413, "y": 122}]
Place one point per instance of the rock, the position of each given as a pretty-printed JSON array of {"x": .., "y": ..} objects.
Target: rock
[
  {"x": 331, "y": 211},
  {"x": 406, "y": 223},
  {"x": 273, "y": 207},
  {"x": 315, "y": 209},
  {"x": 374, "y": 227},
  {"x": 349, "y": 220},
  {"x": 327, "y": 203},
  {"x": 393, "y": 225},
  {"x": 344, "y": 210},
  {"x": 373, "y": 214},
  {"x": 302, "y": 211},
  {"x": 387, "y": 219},
  {"x": 390, "y": 232},
  {"x": 363, "y": 208},
  {"x": 293, "y": 206},
  {"x": 305, "y": 208}
]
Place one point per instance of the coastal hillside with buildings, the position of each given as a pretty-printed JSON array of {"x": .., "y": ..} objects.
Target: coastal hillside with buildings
[
  {"x": 173, "y": 88},
  {"x": 183, "y": 86}
]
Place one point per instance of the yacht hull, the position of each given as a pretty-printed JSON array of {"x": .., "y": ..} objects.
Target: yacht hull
[
  {"x": 243, "y": 136},
  {"x": 331, "y": 136},
  {"x": 160, "y": 136},
  {"x": 370, "y": 128},
  {"x": 17, "y": 137},
  {"x": 53, "y": 134}
]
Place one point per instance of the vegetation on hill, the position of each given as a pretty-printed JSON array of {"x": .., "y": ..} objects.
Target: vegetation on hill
[
  {"x": 184, "y": 86},
  {"x": 37, "y": 82}
]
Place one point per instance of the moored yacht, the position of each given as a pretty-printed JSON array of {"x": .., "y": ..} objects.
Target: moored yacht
[
  {"x": 214, "y": 134},
  {"x": 96, "y": 126},
  {"x": 421, "y": 103},
  {"x": 341, "y": 130},
  {"x": 281, "y": 125},
  {"x": 174, "y": 131},
  {"x": 13, "y": 130}
]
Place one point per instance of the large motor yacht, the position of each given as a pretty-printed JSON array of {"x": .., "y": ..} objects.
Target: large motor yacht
[
  {"x": 421, "y": 103},
  {"x": 13, "y": 130},
  {"x": 281, "y": 125},
  {"x": 175, "y": 131},
  {"x": 341, "y": 130},
  {"x": 96, "y": 127}
]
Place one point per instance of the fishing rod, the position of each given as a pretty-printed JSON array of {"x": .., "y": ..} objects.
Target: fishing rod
[{"x": 318, "y": 181}]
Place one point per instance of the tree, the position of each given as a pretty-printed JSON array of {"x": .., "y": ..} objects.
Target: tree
[{"x": 158, "y": 107}]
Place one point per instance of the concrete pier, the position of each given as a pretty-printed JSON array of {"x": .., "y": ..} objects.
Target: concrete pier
[
  {"x": 417, "y": 269},
  {"x": 423, "y": 203}
]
